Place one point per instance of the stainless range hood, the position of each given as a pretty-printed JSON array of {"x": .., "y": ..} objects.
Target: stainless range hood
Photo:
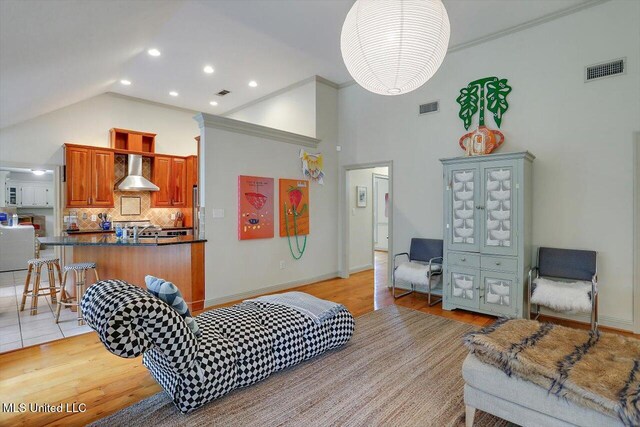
[{"x": 134, "y": 181}]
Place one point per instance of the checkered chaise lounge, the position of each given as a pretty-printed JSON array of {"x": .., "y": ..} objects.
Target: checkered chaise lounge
[{"x": 239, "y": 345}]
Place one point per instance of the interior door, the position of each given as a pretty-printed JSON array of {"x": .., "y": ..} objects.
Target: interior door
[
  {"x": 498, "y": 205},
  {"x": 462, "y": 195},
  {"x": 102, "y": 165},
  {"x": 162, "y": 178},
  {"x": 381, "y": 212},
  {"x": 179, "y": 184},
  {"x": 78, "y": 174}
]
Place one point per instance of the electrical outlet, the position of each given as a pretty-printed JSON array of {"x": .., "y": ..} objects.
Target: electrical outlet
[
  {"x": 84, "y": 215},
  {"x": 282, "y": 265},
  {"x": 94, "y": 218},
  {"x": 173, "y": 216}
]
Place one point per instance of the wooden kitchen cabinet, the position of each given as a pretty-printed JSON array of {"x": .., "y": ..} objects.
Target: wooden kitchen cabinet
[
  {"x": 102, "y": 177},
  {"x": 170, "y": 175},
  {"x": 89, "y": 175}
]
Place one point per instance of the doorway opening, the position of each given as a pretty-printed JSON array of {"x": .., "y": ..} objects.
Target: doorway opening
[{"x": 368, "y": 211}]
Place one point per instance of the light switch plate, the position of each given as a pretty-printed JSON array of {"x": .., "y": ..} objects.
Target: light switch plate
[
  {"x": 173, "y": 216},
  {"x": 218, "y": 213},
  {"x": 94, "y": 218}
]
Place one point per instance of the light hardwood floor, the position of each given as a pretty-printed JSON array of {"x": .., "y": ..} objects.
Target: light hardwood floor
[{"x": 80, "y": 370}]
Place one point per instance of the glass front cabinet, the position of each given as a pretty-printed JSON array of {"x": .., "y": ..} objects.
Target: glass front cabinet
[{"x": 487, "y": 230}]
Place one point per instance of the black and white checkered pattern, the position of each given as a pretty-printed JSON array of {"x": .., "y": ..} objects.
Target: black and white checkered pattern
[
  {"x": 239, "y": 346},
  {"x": 79, "y": 266},
  {"x": 41, "y": 261}
]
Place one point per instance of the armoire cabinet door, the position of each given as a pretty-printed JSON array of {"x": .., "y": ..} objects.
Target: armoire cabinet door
[
  {"x": 498, "y": 206},
  {"x": 498, "y": 293},
  {"x": 462, "y": 199},
  {"x": 463, "y": 285}
]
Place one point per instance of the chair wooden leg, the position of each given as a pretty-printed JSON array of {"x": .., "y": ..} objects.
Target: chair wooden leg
[
  {"x": 52, "y": 283},
  {"x": 63, "y": 295},
  {"x": 469, "y": 415},
  {"x": 80, "y": 279},
  {"x": 26, "y": 287},
  {"x": 57, "y": 265},
  {"x": 36, "y": 291}
]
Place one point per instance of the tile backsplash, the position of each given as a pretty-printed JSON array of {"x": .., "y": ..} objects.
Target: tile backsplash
[{"x": 158, "y": 216}]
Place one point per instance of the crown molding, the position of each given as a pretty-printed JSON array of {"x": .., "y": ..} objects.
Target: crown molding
[
  {"x": 285, "y": 89},
  {"x": 238, "y": 126},
  {"x": 511, "y": 30},
  {"x": 526, "y": 25}
]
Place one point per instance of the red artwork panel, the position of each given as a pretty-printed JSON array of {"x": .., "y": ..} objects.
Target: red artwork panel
[{"x": 255, "y": 207}]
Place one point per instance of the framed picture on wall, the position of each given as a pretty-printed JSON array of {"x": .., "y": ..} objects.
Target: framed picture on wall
[{"x": 361, "y": 196}]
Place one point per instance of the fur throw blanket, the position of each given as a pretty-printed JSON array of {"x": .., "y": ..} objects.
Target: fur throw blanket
[
  {"x": 571, "y": 297},
  {"x": 597, "y": 370}
]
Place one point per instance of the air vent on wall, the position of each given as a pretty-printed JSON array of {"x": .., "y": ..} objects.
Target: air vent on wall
[
  {"x": 430, "y": 107},
  {"x": 223, "y": 92},
  {"x": 605, "y": 69}
]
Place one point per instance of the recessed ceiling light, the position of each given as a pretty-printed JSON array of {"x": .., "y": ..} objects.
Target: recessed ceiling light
[
  {"x": 213, "y": 103},
  {"x": 253, "y": 83},
  {"x": 125, "y": 82},
  {"x": 208, "y": 69},
  {"x": 173, "y": 93},
  {"x": 38, "y": 172},
  {"x": 153, "y": 52}
]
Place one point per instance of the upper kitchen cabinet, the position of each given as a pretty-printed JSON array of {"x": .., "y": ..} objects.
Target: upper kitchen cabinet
[
  {"x": 90, "y": 176},
  {"x": 131, "y": 140},
  {"x": 170, "y": 174}
]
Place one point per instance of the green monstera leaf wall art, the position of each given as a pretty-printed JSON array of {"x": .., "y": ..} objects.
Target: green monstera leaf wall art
[{"x": 489, "y": 92}]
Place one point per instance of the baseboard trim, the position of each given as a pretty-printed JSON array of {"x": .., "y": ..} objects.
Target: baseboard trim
[
  {"x": 361, "y": 268},
  {"x": 604, "y": 320},
  {"x": 210, "y": 303}
]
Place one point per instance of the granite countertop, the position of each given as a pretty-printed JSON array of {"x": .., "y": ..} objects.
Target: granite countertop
[{"x": 110, "y": 240}]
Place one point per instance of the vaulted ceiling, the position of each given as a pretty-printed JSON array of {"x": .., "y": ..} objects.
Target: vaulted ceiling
[{"x": 57, "y": 52}]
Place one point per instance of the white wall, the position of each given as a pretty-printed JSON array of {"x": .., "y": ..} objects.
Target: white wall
[
  {"x": 580, "y": 132},
  {"x": 237, "y": 268},
  {"x": 293, "y": 110},
  {"x": 361, "y": 219},
  {"x": 39, "y": 141}
]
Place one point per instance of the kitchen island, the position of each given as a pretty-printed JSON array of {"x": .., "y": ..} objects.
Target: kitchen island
[{"x": 177, "y": 259}]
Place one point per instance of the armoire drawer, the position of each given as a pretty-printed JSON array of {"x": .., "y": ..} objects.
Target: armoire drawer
[
  {"x": 463, "y": 259},
  {"x": 499, "y": 263}
]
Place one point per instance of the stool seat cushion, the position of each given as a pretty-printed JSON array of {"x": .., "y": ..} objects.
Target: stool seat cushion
[
  {"x": 416, "y": 272},
  {"x": 40, "y": 261},
  {"x": 80, "y": 266}
]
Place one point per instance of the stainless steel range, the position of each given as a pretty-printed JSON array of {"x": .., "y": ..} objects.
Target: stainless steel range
[{"x": 146, "y": 229}]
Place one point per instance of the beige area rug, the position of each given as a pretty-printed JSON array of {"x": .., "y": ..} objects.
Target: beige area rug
[{"x": 401, "y": 368}]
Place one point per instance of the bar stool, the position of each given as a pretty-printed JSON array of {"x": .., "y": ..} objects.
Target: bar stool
[
  {"x": 52, "y": 264},
  {"x": 80, "y": 271}
]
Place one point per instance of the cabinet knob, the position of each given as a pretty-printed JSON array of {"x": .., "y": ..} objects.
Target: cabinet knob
[
  {"x": 477, "y": 288},
  {"x": 463, "y": 259},
  {"x": 498, "y": 263}
]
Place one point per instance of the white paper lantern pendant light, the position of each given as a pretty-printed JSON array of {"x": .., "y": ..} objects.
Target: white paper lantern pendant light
[{"x": 391, "y": 47}]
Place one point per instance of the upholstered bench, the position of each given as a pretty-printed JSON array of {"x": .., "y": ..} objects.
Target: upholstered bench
[
  {"x": 489, "y": 389},
  {"x": 541, "y": 374},
  {"x": 237, "y": 347}
]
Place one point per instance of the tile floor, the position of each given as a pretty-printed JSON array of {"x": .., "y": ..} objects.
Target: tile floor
[{"x": 21, "y": 329}]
